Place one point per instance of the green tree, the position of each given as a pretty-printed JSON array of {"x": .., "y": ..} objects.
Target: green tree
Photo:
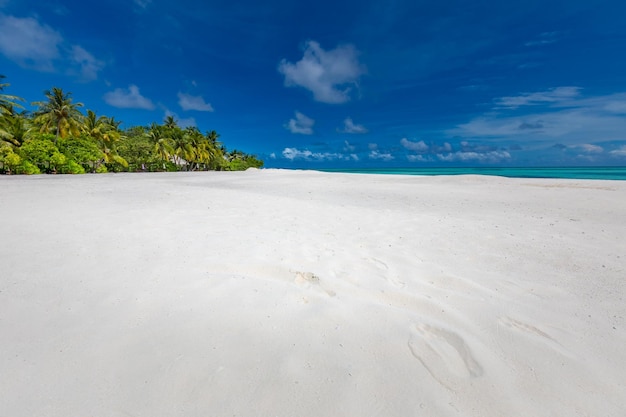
[
  {"x": 15, "y": 128},
  {"x": 43, "y": 153},
  {"x": 7, "y": 102},
  {"x": 59, "y": 114},
  {"x": 83, "y": 150},
  {"x": 163, "y": 142},
  {"x": 105, "y": 132}
]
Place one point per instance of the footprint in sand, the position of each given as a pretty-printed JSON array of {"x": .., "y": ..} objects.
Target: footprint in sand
[
  {"x": 444, "y": 354},
  {"x": 532, "y": 331},
  {"x": 307, "y": 279},
  {"x": 383, "y": 267}
]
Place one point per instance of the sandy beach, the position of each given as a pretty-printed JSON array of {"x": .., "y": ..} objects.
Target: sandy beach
[{"x": 300, "y": 293}]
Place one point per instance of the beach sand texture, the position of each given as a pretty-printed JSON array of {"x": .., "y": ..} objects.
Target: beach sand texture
[{"x": 300, "y": 293}]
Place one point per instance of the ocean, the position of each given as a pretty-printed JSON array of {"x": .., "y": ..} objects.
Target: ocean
[{"x": 591, "y": 173}]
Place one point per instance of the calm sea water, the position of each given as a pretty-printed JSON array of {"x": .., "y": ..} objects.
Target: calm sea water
[{"x": 593, "y": 173}]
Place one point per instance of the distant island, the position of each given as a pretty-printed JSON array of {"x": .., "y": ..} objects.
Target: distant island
[{"x": 58, "y": 138}]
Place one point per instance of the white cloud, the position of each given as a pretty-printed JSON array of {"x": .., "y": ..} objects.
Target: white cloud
[
  {"x": 305, "y": 154},
  {"x": 374, "y": 154},
  {"x": 128, "y": 99},
  {"x": 37, "y": 46},
  {"x": 419, "y": 147},
  {"x": 619, "y": 152},
  {"x": 590, "y": 148},
  {"x": 493, "y": 157},
  {"x": 29, "y": 43},
  {"x": 329, "y": 75},
  {"x": 89, "y": 65},
  {"x": 553, "y": 95},
  {"x": 571, "y": 121},
  {"x": 418, "y": 158},
  {"x": 301, "y": 124},
  {"x": 348, "y": 147},
  {"x": 189, "y": 102},
  {"x": 350, "y": 127}
]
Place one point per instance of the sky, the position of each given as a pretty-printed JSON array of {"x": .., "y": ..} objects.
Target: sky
[{"x": 342, "y": 83}]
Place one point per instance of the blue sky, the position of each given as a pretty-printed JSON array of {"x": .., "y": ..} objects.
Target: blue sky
[{"x": 342, "y": 83}]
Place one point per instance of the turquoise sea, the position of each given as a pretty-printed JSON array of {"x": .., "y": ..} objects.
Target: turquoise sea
[{"x": 592, "y": 173}]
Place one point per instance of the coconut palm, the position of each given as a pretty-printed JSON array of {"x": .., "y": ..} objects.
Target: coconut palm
[
  {"x": 203, "y": 152},
  {"x": 170, "y": 122},
  {"x": 163, "y": 144},
  {"x": 59, "y": 114},
  {"x": 7, "y": 102},
  {"x": 105, "y": 135},
  {"x": 183, "y": 150},
  {"x": 14, "y": 127}
]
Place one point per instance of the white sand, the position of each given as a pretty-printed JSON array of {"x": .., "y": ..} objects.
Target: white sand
[{"x": 278, "y": 293}]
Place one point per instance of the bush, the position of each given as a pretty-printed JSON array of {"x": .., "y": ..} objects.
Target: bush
[
  {"x": 101, "y": 169},
  {"x": 72, "y": 167},
  {"x": 26, "y": 167},
  {"x": 10, "y": 160}
]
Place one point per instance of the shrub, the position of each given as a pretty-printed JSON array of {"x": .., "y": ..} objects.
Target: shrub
[
  {"x": 72, "y": 167},
  {"x": 28, "y": 168}
]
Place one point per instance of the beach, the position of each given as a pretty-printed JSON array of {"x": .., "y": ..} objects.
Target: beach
[{"x": 301, "y": 293}]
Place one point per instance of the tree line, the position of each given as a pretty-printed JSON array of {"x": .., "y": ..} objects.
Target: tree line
[{"x": 58, "y": 138}]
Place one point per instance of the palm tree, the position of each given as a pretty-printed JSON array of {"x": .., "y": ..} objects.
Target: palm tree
[
  {"x": 203, "y": 151},
  {"x": 59, "y": 114},
  {"x": 170, "y": 122},
  {"x": 163, "y": 144},
  {"x": 183, "y": 150},
  {"x": 14, "y": 127},
  {"x": 105, "y": 135},
  {"x": 7, "y": 102}
]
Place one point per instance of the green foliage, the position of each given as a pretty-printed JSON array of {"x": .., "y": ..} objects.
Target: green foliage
[
  {"x": 102, "y": 169},
  {"x": 9, "y": 159},
  {"x": 39, "y": 151},
  {"x": 82, "y": 149},
  {"x": 72, "y": 167},
  {"x": 59, "y": 114},
  {"x": 59, "y": 138},
  {"x": 137, "y": 149},
  {"x": 26, "y": 167}
]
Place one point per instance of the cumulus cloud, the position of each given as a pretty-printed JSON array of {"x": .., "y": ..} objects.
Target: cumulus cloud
[
  {"x": 301, "y": 124},
  {"x": 37, "y": 46},
  {"x": 553, "y": 95},
  {"x": 375, "y": 154},
  {"x": 350, "y": 127},
  {"x": 619, "y": 152},
  {"x": 490, "y": 157},
  {"x": 590, "y": 148},
  {"x": 89, "y": 65},
  {"x": 128, "y": 99},
  {"x": 419, "y": 147},
  {"x": 305, "y": 154},
  {"x": 29, "y": 43},
  {"x": 329, "y": 75},
  {"x": 189, "y": 102},
  {"x": 571, "y": 121}
]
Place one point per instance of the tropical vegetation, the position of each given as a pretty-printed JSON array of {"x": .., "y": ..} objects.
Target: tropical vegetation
[{"x": 59, "y": 138}]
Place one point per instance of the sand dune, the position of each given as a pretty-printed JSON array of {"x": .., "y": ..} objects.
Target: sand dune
[{"x": 293, "y": 293}]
